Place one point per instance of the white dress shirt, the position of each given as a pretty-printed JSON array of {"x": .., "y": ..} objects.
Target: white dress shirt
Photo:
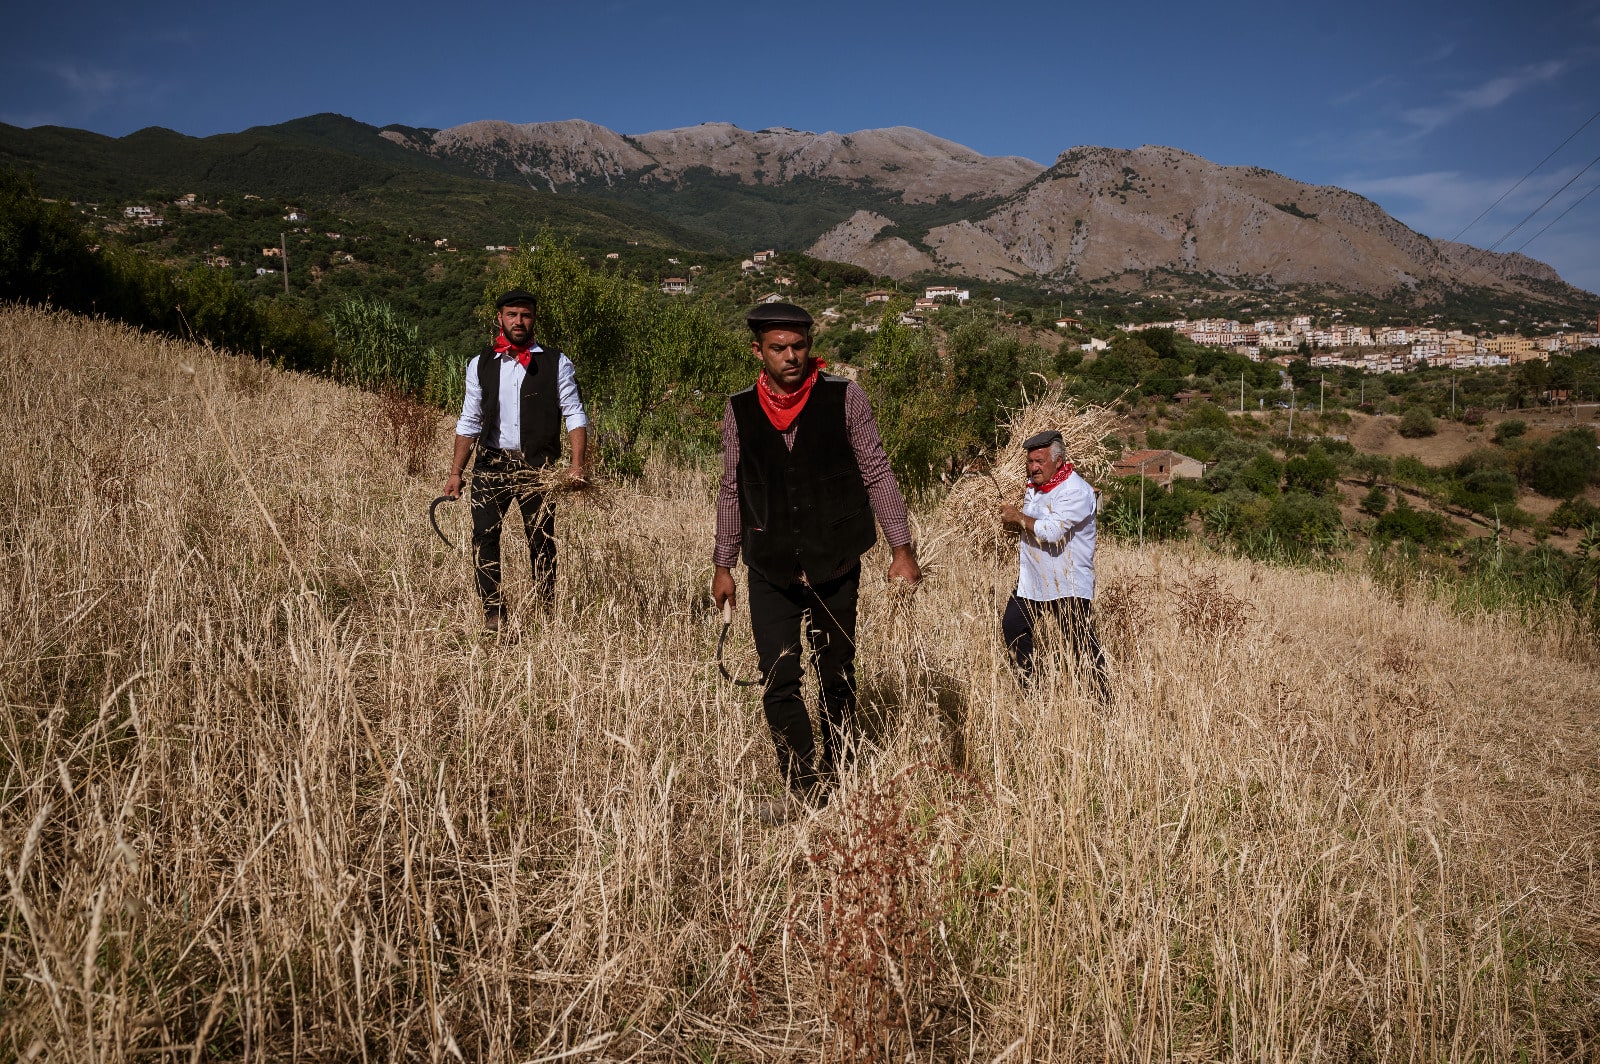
[
  {"x": 1058, "y": 555},
  {"x": 511, "y": 375}
]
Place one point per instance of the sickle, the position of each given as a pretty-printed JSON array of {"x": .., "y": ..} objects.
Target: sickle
[
  {"x": 727, "y": 622},
  {"x": 433, "y": 518}
]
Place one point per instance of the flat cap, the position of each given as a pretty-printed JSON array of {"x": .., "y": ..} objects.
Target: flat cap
[
  {"x": 777, "y": 316},
  {"x": 1042, "y": 439},
  {"x": 517, "y": 297}
]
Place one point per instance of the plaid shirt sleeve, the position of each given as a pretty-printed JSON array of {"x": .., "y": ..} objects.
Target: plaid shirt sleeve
[
  {"x": 887, "y": 503},
  {"x": 729, "y": 527}
]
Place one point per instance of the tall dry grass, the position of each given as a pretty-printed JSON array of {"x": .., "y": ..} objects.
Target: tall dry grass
[{"x": 267, "y": 792}]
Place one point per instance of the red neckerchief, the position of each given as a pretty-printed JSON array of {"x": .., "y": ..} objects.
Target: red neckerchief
[
  {"x": 782, "y": 409},
  {"x": 1061, "y": 474},
  {"x": 524, "y": 354}
]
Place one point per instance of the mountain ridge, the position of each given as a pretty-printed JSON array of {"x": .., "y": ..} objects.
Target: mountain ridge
[{"x": 1095, "y": 214}]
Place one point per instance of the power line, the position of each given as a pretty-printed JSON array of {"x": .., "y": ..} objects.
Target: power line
[
  {"x": 1543, "y": 205},
  {"x": 1527, "y": 175},
  {"x": 1560, "y": 216}
]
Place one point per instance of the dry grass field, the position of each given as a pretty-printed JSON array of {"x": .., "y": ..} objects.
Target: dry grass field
[{"x": 265, "y": 792}]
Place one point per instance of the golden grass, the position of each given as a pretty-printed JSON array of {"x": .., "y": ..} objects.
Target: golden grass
[{"x": 268, "y": 793}]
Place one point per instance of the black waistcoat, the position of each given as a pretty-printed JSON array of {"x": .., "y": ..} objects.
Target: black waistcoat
[
  {"x": 541, "y": 406},
  {"x": 803, "y": 509}
]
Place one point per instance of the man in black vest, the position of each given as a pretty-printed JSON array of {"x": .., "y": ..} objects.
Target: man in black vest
[
  {"x": 517, "y": 396},
  {"x": 803, "y": 474}
]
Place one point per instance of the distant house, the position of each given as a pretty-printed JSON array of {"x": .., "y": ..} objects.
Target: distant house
[
  {"x": 497, "y": 247},
  {"x": 946, "y": 291},
  {"x": 747, "y": 265},
  {"x": 442, "y": 242},
  {"x": 151, "y": 221},
  {"x": 262, "y": 271},
  {"x": 925, "y": 304},
  {"x": 878, "y": 295},
  {"x": 612, "y": 256},
  {"x": 1067, "y": 323},
  {"x": 272, "y": 253},
  {"x": 1189, "y": 395},
  {"x": 220, "y": 262},
  {"x": 770, "y": 297},
  {"x": 137, "y": 212},
  {"x": 295, "y": 215},
  {"x": 186, "y": 200},
  {"x": 761, "y": 258},
  {"x": 675, "y": 285},
  {"x": 334, "y": 236},
  {"x": 1161, "y": 466},
  {"x": 783, "y": 282}
]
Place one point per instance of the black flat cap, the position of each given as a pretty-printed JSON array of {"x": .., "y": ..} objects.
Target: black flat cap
[
  {"x": 1042, "y": 439},
  {"x": 778, "y": 316},
  {"x": 517, "y": 297}
]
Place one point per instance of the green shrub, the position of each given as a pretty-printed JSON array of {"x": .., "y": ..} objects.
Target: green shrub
[
  {"x": 1375, "y": 501},
  {"x": 1563, "y": 465},
  {"x": 1314, "y": 472},
  {"x": 1509, "y": 429},
  {"x": 1417, "y": 422},
  {"x": 1306, "y": 522},
  {"x": 1408, "y": 470},
  {"x": 1574, "y": 513},
  {"x": 1417, "y": 526}
]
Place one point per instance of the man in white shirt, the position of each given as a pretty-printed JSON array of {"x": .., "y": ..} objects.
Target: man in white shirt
[
  {"x": 518, "y": 395},
  {"x": 1056, "y": 570}
]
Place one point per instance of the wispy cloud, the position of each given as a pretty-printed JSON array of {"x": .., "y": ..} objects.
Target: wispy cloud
[
  {"x": 1490, "y": 94},
  {"x": 1350, "y": 96},
  {"x": 1439, "y": 203},
  {"x": 92, "y": 84}
]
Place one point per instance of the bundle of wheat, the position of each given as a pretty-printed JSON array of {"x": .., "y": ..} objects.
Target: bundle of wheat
[{"x": 972, "y": 507}]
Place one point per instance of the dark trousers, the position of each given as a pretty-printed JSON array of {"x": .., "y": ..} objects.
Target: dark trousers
[
  {"x": 497, "y": 485},
  {"x": 826, "y": 614},
  {"x": 1022, "y": 616}
]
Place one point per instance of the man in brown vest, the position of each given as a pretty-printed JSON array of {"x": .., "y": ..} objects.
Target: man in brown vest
[
  {"x": 517, "y": 396},
  {"x": 803, "y": 474}
]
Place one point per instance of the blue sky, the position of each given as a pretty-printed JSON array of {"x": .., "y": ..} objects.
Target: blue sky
[{"x": 1433, "y": 110}]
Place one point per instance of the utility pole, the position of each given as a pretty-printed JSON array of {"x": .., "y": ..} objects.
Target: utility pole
[
  {"x": 1321, "y": 383},
  {"x": 283, "y": 248},
  {"x": 1141, "y": 504}
]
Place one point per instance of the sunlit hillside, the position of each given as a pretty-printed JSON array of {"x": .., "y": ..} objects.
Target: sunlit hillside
[{"x": 267, "y": 792}]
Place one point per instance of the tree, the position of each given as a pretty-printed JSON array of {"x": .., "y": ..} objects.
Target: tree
[
  {"x": 1375, "y": 501},
  {"x": 909, "y": 388},
  {"x": 1313, "y": 472},
  {"x": 1533, "y": 378}
]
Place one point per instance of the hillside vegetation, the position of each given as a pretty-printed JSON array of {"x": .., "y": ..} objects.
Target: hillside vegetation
[{"x": 268, "y": 793}]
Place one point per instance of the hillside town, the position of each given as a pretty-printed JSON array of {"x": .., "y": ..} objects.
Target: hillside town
[{"x": 1379, "y": 349}]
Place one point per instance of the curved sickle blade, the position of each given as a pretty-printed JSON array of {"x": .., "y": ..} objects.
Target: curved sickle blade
[
  {"x": 727, "y": 622},
  {"x": 433, "y": 518}
]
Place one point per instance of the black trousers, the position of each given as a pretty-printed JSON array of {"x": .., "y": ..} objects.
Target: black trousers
[
  {"x": 496, "y": 486},
  {"x": 826, "y": 614},
  {"x": 1022, "y": 616}
]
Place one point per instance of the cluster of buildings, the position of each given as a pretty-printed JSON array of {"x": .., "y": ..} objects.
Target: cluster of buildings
[{"x": 1375, "y": 349}]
